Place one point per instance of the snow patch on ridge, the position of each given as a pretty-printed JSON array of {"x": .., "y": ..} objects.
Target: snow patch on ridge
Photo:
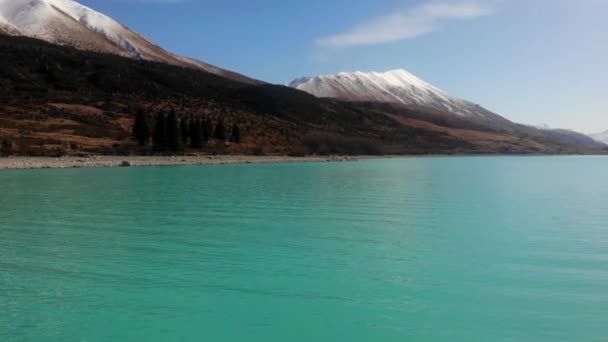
[
  {"x": 66, "y": 22},
  {"x": 9, "y": 29},
  {"x": 395, "y": 86},
  {"x": 62, "y": 21},
  {"x": 601, "y": 137}
]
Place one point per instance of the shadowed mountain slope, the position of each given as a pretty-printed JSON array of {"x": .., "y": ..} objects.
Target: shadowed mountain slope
[{"x": 55, "y": 97}]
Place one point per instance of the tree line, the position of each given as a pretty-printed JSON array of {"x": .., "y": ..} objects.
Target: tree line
[{"x": 168, "y": 133}]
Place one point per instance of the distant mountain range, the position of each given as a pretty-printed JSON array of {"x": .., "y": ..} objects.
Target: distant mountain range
[
  {"x": 403, "y": 88},
  {"x": 601, "y": 137},
  {"x": 66, "y": 22},
  {"x": 72, "y": 78}
]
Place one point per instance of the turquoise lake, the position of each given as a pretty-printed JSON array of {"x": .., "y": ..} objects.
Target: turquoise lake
[{"x": 412, "y": 249}]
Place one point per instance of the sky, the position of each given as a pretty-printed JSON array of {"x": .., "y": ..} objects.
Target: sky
[{"x": 531, "y": 61}]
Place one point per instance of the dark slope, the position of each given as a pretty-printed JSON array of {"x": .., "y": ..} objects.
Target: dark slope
[{"x": 54, "y": 97}]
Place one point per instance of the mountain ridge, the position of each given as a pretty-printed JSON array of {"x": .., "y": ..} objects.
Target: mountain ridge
[
  {"x": 394, "y": 86},
  {"x": 67, "y": 22},
  {"x": 74, "y": 78},
  {"x": 601, "y": 137},
  {"x": 54, "y": 96}
]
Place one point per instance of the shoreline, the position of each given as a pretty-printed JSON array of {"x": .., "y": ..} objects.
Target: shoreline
[
  {"x": 105, "y": 161},
  {"x": 25, "y": 163}
]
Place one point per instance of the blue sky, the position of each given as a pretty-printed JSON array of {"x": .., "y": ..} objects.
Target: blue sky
[{"x": 534, "y": 61}]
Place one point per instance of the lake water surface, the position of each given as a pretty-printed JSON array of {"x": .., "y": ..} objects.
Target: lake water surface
[{"x": 414, "y": 249}]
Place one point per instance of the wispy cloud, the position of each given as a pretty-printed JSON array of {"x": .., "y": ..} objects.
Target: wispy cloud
[{"x": 406, "y": 24}]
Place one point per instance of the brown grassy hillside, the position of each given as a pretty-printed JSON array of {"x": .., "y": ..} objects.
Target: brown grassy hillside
[{"x": 55, "y": 100}]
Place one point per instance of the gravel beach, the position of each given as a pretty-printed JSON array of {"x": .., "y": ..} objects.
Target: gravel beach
[{"x": 124, "y": 161}]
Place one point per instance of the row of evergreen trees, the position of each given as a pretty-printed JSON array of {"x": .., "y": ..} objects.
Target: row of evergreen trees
[{"x": 171, "y": 134}]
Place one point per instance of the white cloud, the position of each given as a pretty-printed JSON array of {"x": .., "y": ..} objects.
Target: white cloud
[{"x": 406, "y": 24}]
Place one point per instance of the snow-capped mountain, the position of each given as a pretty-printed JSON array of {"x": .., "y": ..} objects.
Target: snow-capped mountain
[
  {"x": 542, "y": 126},
  {"x": 66, "y": 22},
  {"x": 601, "y": 137},
  {"x": 396, "y": 86}
]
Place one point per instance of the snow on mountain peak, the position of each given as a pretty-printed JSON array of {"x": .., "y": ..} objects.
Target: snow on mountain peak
[
  {"x": 67, "y": 22},
  {"x": 601, "y": 137},
  {"x": 394, "y": 86}
]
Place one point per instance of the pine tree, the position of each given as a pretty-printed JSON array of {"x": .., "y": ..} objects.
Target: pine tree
[
  {"x": 6, "y": 148},
  {"x": 207, "y": 130},
  {"x": 201, "y": 132},
  {"x": 185, "y": 131},
  {"x": 220, "y": 131},
  {"x": 159, "y": 137},
  {"x": 141, "y": 129},
  {"x": 174, "y": 142},
  {"x": 192, "y": 133},
  {"x": 196, "y": 133},
  {"x": 236, "y": 134},
  {"x": 132, "y": 108}
]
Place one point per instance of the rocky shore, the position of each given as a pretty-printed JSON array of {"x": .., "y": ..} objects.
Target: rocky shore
[{"x": 122, "y": 161}]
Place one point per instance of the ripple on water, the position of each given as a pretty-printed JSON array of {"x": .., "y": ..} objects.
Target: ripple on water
[{"x": 425, "y": 249}]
